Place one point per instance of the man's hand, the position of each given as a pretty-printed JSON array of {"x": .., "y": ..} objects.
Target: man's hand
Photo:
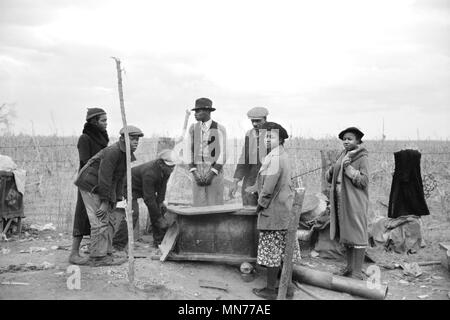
[
  {"x": 233, "y": 189},
  {"x": 209, "y": 177},
  {"x": 103, "y": 210},
  {"x": 197, "y": 178},
  {"x": 162, "y": 208},
  {"x": 259, "y": 208},
  {"x": 252, "y": 189}
]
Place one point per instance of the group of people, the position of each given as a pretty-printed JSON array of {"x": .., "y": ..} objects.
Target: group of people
[{"x": 263, "y": 167}]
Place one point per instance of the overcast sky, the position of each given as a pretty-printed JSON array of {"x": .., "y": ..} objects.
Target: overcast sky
[{"x": 318, "y": 66}]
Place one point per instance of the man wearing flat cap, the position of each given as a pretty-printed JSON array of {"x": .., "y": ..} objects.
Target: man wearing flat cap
[
  {"x": 253, "y": 151},
  {"x": 101, "y": 186},
  {"x": 208, "y": 154},
  {"x": 149, "y": 183}
]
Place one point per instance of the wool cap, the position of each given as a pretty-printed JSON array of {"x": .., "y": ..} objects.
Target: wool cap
[
  {"x": 132, "y": 131},
  {"x": 358, "y": 133},
  {"x": 203, "y": 103},
  {"x": 257, "y": 113},
  {"x": 269, "y": 126},
  {"x": 93, "y": 112}
]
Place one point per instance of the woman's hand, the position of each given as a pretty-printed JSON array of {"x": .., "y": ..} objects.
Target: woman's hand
[{"x": 346, "y": 161}]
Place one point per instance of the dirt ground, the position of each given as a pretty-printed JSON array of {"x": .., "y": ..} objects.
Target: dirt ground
[{"x": 179, "y": 280}]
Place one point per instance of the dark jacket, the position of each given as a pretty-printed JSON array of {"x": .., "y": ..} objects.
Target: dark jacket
[
  {"x": 407, "y": 196},
  {"x": 90, "y": 143},
  {"x": 275, "y": 190},
  {"x": 348, "y": 218},
  {"x": 104, "y": 173},
  {"x": 150, "y": 183},
  {"x": 215, "y": 152},
  {"x": 249, "y": 163}
]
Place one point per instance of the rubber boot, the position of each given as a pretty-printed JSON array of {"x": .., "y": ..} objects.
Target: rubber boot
[
  {"x": 358, "y": 259},
  {"x": 347, "y": 271},
  {"x": 269, "y": 292}
]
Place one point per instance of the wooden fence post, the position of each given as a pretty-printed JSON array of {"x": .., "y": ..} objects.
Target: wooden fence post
[
  {"x": 128, "y": 209},
  {"x": 286, "y": 273}
]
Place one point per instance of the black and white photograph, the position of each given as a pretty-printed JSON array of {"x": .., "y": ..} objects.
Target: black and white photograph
[{"x": 239, "y": 152}]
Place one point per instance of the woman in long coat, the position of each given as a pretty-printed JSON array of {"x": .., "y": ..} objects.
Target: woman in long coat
[
  {"x": 93, "y": 139},
  {"x": 275, "y": 200},
  {"x": 349, "y": 200}
]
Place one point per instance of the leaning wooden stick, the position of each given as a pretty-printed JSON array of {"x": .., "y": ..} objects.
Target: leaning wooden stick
[
  {"x": 128, "y": 209},
  {"x": 286, "y": 273}
]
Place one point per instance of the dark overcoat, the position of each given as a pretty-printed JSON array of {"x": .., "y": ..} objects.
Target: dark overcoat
[
  {"x": 348, "y": 217},
  {"x": 407, "y": 196},
  {"x": 90, "y": 143},
  {"x": 249, "y": 163}
]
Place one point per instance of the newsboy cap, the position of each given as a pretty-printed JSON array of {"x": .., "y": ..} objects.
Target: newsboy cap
[
  {"x": 257, "y": 113},
  {"x": 358, "y": 133},
  {"x": 203, "y": 103},
  {"x": 269, "y": 126},
  {"x": 169, "y": 157},
  {"x": 132, "y": 131},
  {"x": 93, "y": 112}
]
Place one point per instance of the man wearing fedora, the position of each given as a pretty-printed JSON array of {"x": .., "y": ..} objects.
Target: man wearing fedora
[
  {"x": 208, "y": 155},
  {"x": 253, "y": 151},
  {"x": 100, "y": 182},
  {"x": 149, "y": 182}
]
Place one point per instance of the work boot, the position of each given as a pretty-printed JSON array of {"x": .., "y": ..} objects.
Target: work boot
[
  {"x": 266, "y": 293},
  {"x": 347, "y": 271},
  {"x": 358, "y": 259},
  {"x": 78, "y": 260},
  {"x": 106, "y": 261}
]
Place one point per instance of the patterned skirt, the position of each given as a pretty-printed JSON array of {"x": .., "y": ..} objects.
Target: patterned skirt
[{"x": 271, "y": 248}]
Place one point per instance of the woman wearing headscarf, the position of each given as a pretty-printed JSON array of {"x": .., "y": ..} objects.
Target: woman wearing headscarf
[
  {"x": 274, "y": 209},
  {"x": 349, "y": 200},
  {"x": 93, "y": 139}
]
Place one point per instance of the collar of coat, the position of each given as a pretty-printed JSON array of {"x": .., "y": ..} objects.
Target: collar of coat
[
  {"x": 354, "y": 155},
  {"x": 278, "y": 151},
  {"x": 122, "y": 148},
  {"x": 100, "y": 137}
]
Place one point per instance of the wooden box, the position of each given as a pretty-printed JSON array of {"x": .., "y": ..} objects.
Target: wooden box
[{"x": 225, "y": 233}]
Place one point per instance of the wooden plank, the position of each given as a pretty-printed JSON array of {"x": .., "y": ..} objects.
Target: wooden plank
[
  {"x": 286, "y": 273},
  {"x": 169, "y": 241},
  {"x": 213, "y": 284},
  {"x": 188, "y": 210},
  {"x": 234, "y": 259}
]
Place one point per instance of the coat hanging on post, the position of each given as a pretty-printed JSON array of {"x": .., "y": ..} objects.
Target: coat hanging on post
[{"x": 407, "y": 196}]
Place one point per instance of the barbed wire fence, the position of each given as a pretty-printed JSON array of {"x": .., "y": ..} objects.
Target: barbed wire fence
[{"x": 52, "y": 168}]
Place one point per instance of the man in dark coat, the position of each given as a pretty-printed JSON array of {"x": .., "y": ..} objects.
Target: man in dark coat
[
  {"x": 150, "y": 183},
  {"x": 253, "y": 151},
  {"x": 208, "y": 155},
  {"x": 93, "y": 139},
  {"x": 407, "y": 196},
  {"x": 101, "y": 185}
]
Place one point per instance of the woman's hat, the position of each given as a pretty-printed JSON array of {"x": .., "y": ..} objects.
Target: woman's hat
[
  {"x": 358, "y": 133},
  {"x": 282, "y": 133},
  {"x": 93, "y": 112}
]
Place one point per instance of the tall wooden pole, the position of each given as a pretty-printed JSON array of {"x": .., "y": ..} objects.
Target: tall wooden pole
[
  {"x": 286, "y": 273},
  {"x": 128, "y": 209}
]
